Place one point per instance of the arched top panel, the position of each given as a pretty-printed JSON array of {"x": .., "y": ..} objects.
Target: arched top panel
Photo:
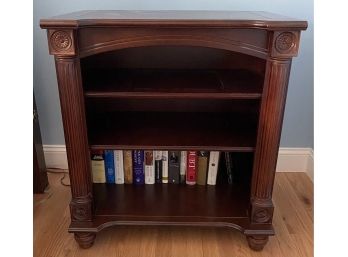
[
  {"x": 249, "y": 42},
  {"x": 173, "y": 57}
]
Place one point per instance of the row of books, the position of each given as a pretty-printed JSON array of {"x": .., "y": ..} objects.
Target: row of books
[{"x": 150, "y": 167}]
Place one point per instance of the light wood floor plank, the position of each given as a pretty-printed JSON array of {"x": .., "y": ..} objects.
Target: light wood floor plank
[
  {"x": 304, "y": 190},
  {"x": 293, "y": 223}
]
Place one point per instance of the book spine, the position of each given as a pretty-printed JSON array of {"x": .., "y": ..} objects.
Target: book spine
[
  {"x": 213, "y": 167},
  {"x": 202, "y": 168},
  {"x": 191, "y": 168},
  {"x": 164, "y": 167},
  {"x": 174, "y": 167},
  {"x": 183, "y": 166},
  {"x": 109, "y": 166},
  {"x": 128, "y": 167},
  {"x": 149, "y": 168},
  {"x": 138, "y": 167},
  {"x": 119, "y": 171},
  {"x": 229, "y": 166},
  {"x": 158, "y": 166},
  {"x": 98, "y": 167}
]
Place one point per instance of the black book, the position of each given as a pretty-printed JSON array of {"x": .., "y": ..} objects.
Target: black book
[
  {"x": 158, "y": 171},
  {"x": 174, "y": 167},
  {"x": 229, "y": 167},
  {"x": 158, "y": 167},
  {"x": 221, "y": 178}
]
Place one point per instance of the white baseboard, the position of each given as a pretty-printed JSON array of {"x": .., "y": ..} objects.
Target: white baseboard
[
  {"x": 289, "y": 159},
  {"x": 296, "y": 160},
  {"x": 55, "y": 156}
]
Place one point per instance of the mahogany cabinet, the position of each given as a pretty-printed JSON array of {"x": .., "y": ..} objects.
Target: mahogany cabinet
[{"x": 173, "y": 80}]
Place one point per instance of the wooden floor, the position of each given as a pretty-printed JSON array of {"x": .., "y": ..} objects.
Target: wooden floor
[{"x": 293, "y": 223}]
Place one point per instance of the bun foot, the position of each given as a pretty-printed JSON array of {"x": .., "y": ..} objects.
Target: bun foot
[
  {"x": 257, "y": 243},
  {"x": 85, "y": 239}
]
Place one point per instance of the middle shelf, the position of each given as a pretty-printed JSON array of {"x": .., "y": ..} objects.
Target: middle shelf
[
  {"x": 174, "y": 83},
  {"x": 172, "y": 130}
]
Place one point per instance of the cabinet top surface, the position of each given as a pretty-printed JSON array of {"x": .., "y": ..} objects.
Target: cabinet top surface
[{"x": 242, "y": 19}]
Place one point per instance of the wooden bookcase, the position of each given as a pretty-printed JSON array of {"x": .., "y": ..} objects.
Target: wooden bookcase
[{"x": 173, "y": 80}]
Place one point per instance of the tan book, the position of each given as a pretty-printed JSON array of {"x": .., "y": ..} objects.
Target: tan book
[
  {"x": 98, "y": 167},
  {"x": 164, "y": 167},
  {"x": 202, "y": 167},
  {"x": 149, "y": 167},
  {"x": 128, "y": 167}
]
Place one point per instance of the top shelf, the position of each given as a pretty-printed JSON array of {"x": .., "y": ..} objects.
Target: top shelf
[
  {"x": 232, "y": 19},
  {"x": 159, "y": 83}
]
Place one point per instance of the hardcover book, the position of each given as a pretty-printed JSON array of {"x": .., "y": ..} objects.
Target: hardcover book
[
  {"x": 128, "y": 167},
  {"x": 191, "y": 168},
  {"x": 229, "y": 167},
  {"x": 149, "y": 168},
  {"x": 109, "y": 166},
  {"x": 164, "y": 167},
  {"x": 221, "y": 177},
  {"x": 183, "y": 165},
  {"x": 158, "y": 166},
  {"x": 202, "y": 169},
  {"x": 174, "y": 167},
  {"x": 98, "y": 167},
  {"x": 119, "y": 171},
  {"x": 138, "y": 167},
  {"x": 213, "y": 167}
]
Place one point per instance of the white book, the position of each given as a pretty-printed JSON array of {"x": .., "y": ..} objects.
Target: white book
[
  {"x": 164, "y": 167},
  {"x": 119, "y": 170},
  {"x": 149, "y": 167},
  {"x": 213, "y": 167},
  {"x": 157, "y": 155},
  {"x": 183, "y": 166}
]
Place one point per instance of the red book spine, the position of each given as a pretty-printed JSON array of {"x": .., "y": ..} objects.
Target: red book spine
[{"x": 191, "y": 167}]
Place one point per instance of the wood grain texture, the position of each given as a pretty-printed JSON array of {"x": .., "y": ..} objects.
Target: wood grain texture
[
  {"x": 244, "y": 32},
  {"x": 261, "y": 43},
  {"x": 268, "y": 138},
  {"x": 174, "y": 18},
  {"x": 75, "y": 131},
  {"x": 293, "y": 194},
  {"x": 269, "y": 128},
  {"x": 246, "y": 41}
]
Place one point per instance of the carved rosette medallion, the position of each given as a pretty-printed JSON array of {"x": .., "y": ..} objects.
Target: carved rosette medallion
[
  {"x": 61, "y": 41},
  {"x": 285, "y": 42},
  {"x": 79, "y": 212},
  {"x": 80, "y": 208},
  {"x": 261, "y": 210},
  {"x": 261, "y": 216}
]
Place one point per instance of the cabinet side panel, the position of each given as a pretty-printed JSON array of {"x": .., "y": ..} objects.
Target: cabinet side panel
[
  {"x": 75, "y": 131},
  {"x": 268, "y": 138}
]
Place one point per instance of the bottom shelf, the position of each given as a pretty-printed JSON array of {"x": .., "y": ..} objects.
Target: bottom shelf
[
  {"x": 239, "y": 223},
  {"x": 170, "y": 204},
  {"x": 171, "y": 200},
  {"x": 223, "y": 205}
]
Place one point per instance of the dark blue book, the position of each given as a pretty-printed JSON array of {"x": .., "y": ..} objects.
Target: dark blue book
[
  {"x": 109, "y": 166},
  {"x": 138, "y": 167}
]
